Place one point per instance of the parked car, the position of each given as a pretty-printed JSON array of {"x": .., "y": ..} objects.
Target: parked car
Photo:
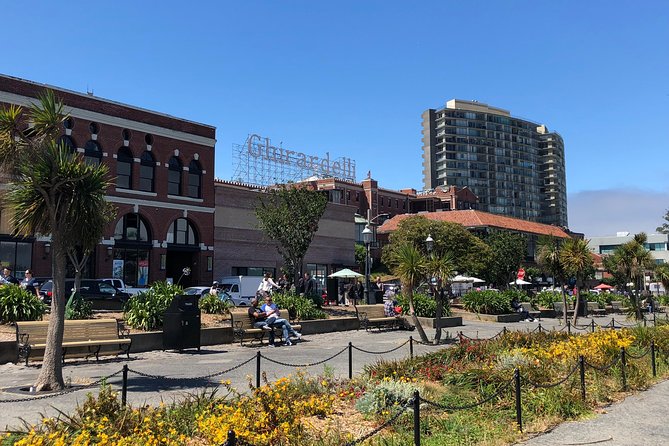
[
  {"x": 120, "y": 285},
  {"x": 101, "y": 295},
  {"x": 203, "y": 290},
  {"x": 241, "y": 288}
]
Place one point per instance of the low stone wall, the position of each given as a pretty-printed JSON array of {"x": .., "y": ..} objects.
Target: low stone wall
[
  {"x": 431, "y": 322},
  {"x": 511, "y": 317},
  {"x": 8, "y": 352}
]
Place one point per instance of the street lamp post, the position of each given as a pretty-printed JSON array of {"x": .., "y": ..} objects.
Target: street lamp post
[
  {"x": 367, "y": 236},
  {"x": 439, "y": 295}
]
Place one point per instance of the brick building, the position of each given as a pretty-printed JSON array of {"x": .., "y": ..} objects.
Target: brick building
[{"x": 162, "y": 185}]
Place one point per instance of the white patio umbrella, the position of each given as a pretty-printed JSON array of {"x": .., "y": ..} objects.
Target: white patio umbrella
[
  {"x": 461, "y": 279},
  {"x": 345, "y": 274},
  {"x": 520, "y": 282},
  {"x": 477, "y": 280}
]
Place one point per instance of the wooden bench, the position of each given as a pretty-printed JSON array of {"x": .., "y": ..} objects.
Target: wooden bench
[
  {"x": 91, "y": 334},
  {"x": 534, "y": 314},
  {"x": 559, "y": 310},
  {"x": 373, "y": 316},
  {"x": 595, "y": 310},
  {"x": 243, "y": 329}
]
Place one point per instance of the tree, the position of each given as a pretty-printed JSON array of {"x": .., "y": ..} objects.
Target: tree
[
  {"x": 410, "y": 265},
  {"x": 289, "y": 216},
  {"x": 470, "y": 254},
  {"x": 548, "y": 257},
  {"x": 662, "y": 274},
  {"x": 577, "y": 262},
  {"x": 360, "y": 255},
  {"x": 49, "y": 188},
  {"x": 508, "y": 250},
  {"x": 441, "y": 267},
  {"x": 664, "y": 229}
]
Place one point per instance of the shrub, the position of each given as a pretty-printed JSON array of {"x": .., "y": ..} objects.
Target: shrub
[
  {"x": 424, "y": 305},
  {"x": 211, "y": 304},
  {"x": 299, "y": 307},
  {"x": 546, "y": 298},
  {"x": 78, "y": 308},
  {"x": 487, "y": 302},
  {"x": 385, "y": 395},
  {"x": 145, "y": 310},
  {"x": 17, "y": 304},
  {"x": 521, "y": 295}
]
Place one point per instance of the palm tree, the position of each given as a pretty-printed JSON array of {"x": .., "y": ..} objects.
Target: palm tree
[
  {"x": 442, "y": 268},
  {"x": 52, "y": 191},
  {"x": 548, "y": 257},
  {"x": 662, "y": 274},
  {"x": 409, "y": 264},
  {"x": 577, "y": 262}
]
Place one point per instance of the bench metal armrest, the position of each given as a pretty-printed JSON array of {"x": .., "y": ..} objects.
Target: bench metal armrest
[
  {"x": 123, "y": 331},
  {"x": 24, "y": 339}
]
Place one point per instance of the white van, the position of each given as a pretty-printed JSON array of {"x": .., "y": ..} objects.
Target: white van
[{"x": 243, "y": 288}]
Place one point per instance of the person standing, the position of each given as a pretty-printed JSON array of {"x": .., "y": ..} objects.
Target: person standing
[
  {"x": 214, "y": 289},
  {"x": 360, "y": 292},
  {"x": 7, "y": 276},
  {"x": 28, "y": 283},
  {"x": 268, "y": 284},
  {"x": 309, "y": 285},
  {"x": 283, "y": 283}
]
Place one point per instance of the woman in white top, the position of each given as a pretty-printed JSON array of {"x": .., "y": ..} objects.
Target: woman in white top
[{"x": 267, "y": 284}]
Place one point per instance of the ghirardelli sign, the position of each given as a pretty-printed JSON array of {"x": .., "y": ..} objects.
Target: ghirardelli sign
[{"x": 260, "y": 148}]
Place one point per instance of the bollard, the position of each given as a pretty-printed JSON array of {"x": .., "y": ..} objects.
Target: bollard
[
  {"x": 124, "y": 390},
  {"x": 581, "y": 366},
  {"x": 613, "y": 323},
  {"x": 503, "y": 331},
  {"x": 593, "y": 326},
  {"x": 652, "y": 358},
  {"x": 258, "y": 370},
  {"x": 232, "y": 440},
  {"x": 622, "y": 368},
  {"x": 568, "y": 327},
  {"x": 519, "y": 414},
  {"x": 411, "y": 347},
  {"x": 350, "y": 360},
  {"x": 655, "y": 319},
  {"x": 539, "y": 328},
  {"x": 644, "y": 320},
  {"x": 416, "y": 418}
]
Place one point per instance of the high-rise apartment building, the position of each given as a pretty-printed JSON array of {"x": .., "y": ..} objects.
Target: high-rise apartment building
[{"x": 515, "y": 167}]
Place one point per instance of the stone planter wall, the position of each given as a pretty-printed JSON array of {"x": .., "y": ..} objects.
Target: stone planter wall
[{"x": 430, "y": 322}]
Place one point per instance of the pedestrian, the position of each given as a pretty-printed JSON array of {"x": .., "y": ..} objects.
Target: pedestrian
[
  {"x": 309, "y": 285},
  {"x": 268, "y": 284},
  {"x": 274, "y": 320},
  {"x": 214, "y": 289},
  {"x": 360, "y": 291},
  {"x": 28, "y": 283},
  {"x": 7, "y": 277},
  {"x": 342, "y": 293},
  {"x": 283, "y": 283}
]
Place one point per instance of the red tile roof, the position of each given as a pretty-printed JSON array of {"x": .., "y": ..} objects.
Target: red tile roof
[{"x": 479, "y": 219}]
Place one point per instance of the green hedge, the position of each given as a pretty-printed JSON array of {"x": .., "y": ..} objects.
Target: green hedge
[
  {"x": 298, "y": 307},
  {"x": 145, "y": 310},
  {"x": 211, "y": 304},
  {"x": 424, "y": 305},
  {"x": 17, "y": 304},
  {"x": 487, "y": 302}
]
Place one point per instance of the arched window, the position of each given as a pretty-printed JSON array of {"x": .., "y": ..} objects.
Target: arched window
[
  {"x": 181, "y": 232},
  {"x": 174, "y": 176},
  {"x": 68, "y": 143},
  {"x": 92, "y": 153},
  {"x": 132, "y": 227},
  {"x": 194, "y": 179},
  {"x": 124, "y": 168},
  {"x": 146, "y": 169}
]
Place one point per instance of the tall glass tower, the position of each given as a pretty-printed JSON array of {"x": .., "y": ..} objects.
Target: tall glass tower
[{"x": 516, "y": 167}]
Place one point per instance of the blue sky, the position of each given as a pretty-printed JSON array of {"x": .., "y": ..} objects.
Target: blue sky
[{"x": 353, "y": 77}]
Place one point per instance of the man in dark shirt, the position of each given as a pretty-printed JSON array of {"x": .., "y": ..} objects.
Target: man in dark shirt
[
  {"x": 259, "y": 319},
  {"x": 7, "y": 277}
]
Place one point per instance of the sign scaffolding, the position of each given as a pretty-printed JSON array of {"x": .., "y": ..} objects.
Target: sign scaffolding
[{"x": 260, "y": 163}]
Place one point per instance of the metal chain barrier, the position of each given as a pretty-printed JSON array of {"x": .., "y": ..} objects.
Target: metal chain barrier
[
  {"x": 555, "y": 384},
  {"x": 498, "y": 335},
  {"x": 194, "y": 378},
  {"x": 63, "y": 392},
  {"x": 383, "y": 352},
  {"x": 311, "y": 364},
  {"x": 643, "y": 355},
  {"x": 581, "y": 327},
  {"x": 472, "y": 405},
  {"x": 382, "y": 426},
  {"x": 604, "y": 368}
]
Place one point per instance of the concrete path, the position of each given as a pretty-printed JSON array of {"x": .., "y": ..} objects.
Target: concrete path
[{"x": 313, "y": 349}]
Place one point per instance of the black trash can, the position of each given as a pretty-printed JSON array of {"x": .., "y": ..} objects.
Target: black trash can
[
  {"x": 181, "y": 324},
  {"x": 378, "y": 295}
]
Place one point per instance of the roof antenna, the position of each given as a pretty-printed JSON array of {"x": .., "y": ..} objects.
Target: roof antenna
[{"x": 89, "y": 91}]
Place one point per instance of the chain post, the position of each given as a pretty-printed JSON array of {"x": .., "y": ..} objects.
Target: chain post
[
  {"x": 654, "y": 318},
  {"x": 613, "y": 323},
  {"x": 644, "y": 320},
  {"x": 623, "y": 361},
  {"x": 258, "y": 370},
  {"x": 411, "y": 346},
  {"x": 652, "y": 358},
  {"x": 416, "y": 418},
  {"x": 568, "y": 327},
  {"x": 519, "y": 410},
  {"x": 539, "y": 328},
  {"x": 503, "y": 331},
  {"x": 350, "y": 360},
  {"x": 232, "y": 440},
  {"x": 124, "y": 390},
  {"x": 592, "y": 323},
  {"x": 581, "y": 366}
]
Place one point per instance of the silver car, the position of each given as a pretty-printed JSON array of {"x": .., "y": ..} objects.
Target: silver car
[{"x": 204, "y": 290}]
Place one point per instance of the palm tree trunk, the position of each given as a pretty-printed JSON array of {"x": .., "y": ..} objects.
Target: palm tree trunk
[
  {"x": 577, "y": 306},
  {"x": 564, "y": 305},
  {"x": 51, "y": 373},
  {"x": 414, "y": 318}
]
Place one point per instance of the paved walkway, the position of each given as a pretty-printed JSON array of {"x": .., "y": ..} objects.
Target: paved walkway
[{"x": 313, "y": 349}]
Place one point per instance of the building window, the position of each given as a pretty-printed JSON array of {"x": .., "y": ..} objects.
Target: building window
[
  {"x": 319, "y": 273},
  {"x": 174, "y": 176},
  {"x": 194, "y": 179},
  {"x": 132, "y": 227},
  {"x": 181, "y": 232},
  {"x": 16, "y": 255},
  {"x": 68, "y": 123},
  {"x": 94, "y": 128},
  {"x": 256, "y": 271},
  {"x": 131, "y": 265},
  {"x": 147, "y": 165},
  {"x": 92, "y": 153},
  {"x": 124, "y": 168},
  {"x": 67, "y": 142}
]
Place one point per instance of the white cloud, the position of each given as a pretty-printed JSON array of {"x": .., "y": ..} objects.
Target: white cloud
[{"x": 605, "y": 212}]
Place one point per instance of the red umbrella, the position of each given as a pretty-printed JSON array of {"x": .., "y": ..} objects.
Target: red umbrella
[{"x": 603, "y": 286}]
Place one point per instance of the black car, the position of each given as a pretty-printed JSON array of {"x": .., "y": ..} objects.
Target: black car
[{"x": 99, "y": 293}]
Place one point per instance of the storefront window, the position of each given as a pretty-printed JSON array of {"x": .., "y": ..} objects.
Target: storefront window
[
  {"x": 16, "y": 255},
  {"x": 319, "y": 273},
  {"x": 131, "y": 265}
]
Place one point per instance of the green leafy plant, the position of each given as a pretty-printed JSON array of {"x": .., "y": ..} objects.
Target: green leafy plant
[
  {"x": 486, "y": 302},
  {"x": 211, "y": 304},
  {"x": 386, "y": 394},
  {"x": 145, "y": 310},
  {"x": 299, "y": 307},
  {"x": 424, "y": 305},
  {"x": 16, "y": 304},
  {"x": 78, "y": 308},
  {"x": 546, "y": 298}
]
